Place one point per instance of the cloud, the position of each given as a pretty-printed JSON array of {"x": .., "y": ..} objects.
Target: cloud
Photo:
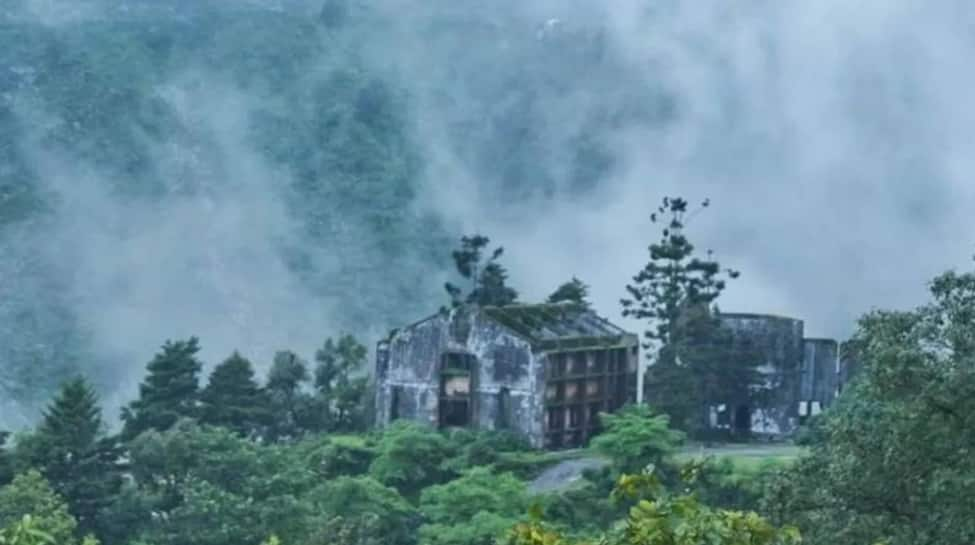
[
  {"x": 205, "y": 260},
  {"x": 832, "y": 138}
]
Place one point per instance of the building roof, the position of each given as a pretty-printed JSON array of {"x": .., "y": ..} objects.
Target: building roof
[{"x": 559, "y": 325}]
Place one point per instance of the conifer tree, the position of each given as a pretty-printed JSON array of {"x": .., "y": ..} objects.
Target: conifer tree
[
  {"x": 573, "y": 291},
  {"x": 72, "y": 451},
  {"x": 232, "y": 399},
  {"x": 169, "y": 392},
  {"x": 488, "y": 279},
  {"x": 694, "y": 361},
  {"x": 290, "y": 407}
]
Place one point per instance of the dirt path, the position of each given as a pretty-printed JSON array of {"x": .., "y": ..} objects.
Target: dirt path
[{"x": 563, "y": 474}]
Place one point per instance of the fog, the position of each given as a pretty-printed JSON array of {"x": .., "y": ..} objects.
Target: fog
[{"x": 832, "y": 140}]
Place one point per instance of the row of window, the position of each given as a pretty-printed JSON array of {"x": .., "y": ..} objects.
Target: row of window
[
  {"x": 614, "y": 386},
  {"x": 594, "y": 362}
]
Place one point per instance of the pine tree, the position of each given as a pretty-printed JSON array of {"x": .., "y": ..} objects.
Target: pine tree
[
  {"x": 232, "y": 399},
  {"x": 290, "y": 407},
  {"x": 573, "y": 291},
  {"x": 169, "y": 392},
  {"x": 695, "y": 362},
  {"x": 342, "y": 394},
  {"x": 76, "y": 457},
  {"x": 488, "y": 280}
]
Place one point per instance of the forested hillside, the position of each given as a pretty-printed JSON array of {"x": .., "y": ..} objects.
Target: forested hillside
[{"x": 272, "y": 172}]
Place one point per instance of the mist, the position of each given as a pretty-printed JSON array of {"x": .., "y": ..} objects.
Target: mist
[{"x": 831, "y": 139}]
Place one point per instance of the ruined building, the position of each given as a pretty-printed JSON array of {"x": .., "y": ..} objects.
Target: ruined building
[
  {"x": 802, "y": 375},
  {"x": 544, "y": 371}
]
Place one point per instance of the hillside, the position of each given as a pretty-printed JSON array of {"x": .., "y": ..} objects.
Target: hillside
[{"x": 265, "y": 173}]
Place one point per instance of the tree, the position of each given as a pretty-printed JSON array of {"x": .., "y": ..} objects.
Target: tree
[
  {"x": 474, "y": 509},
  {"x": 30, "y": 495},
  {"x": 25, "y": 532},
  {"x": 75, "y": 456},
  {"x": 342, "y": 394},
  {"x": 488, "y": 279},
  {"x": 892, "y": 458},
  {"x": 675, "y": 291},
  {"x": 361, "y": 511},
  {"x": 660, "y": 517},
  {"x": 233, "y": 399},
  {"x": 290, "y": 407},
  {"x": 169, "y": 392},
  {"x": 634, "y": 437},
  {"x": 573, "y": 291},
  {"x": 411, "y": 457}
]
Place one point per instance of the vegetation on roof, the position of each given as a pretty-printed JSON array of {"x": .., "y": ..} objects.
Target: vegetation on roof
[{"x": 555, "y": 322}]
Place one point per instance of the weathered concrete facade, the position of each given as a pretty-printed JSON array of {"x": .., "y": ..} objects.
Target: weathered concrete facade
[
  {"x": 820, "y": 376},
  {"x": 803, "y": 376},
  {"x": 544, "y": 371},
  {"x": 779, "y": 340}
]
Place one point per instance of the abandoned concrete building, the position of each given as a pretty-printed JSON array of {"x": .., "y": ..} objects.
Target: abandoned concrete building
[
  {"x": 802, "y": 375},
  {"x": 544, "y": 371}
]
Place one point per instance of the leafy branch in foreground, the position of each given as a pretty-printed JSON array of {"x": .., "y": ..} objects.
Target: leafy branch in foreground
[{"x": 659, "y": 517}]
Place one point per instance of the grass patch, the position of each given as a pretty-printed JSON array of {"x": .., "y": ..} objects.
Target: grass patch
[{"x": 746, "y": 458}]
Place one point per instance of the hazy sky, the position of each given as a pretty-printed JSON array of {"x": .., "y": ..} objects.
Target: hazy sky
[{"x": 833, "y": 139}]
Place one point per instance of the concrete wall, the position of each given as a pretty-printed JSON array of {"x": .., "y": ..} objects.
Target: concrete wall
[
  {"x": 780, "y": 340},
  {"x": 410, "y": 361},
  {"x": 819, "y": 380}
]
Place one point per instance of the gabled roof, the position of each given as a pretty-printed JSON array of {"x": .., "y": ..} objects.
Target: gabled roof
[{"x": 559, "y": 325}]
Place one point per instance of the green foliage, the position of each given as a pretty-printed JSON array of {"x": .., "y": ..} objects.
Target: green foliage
[
  {"x": 169, "y": 392},
  {"x": 721, "y": 482},
  {"x": 190, "y": 472},
  {"x": 573, "y": 291},
  {"x": 659, "y": 517},
  {"x": 365, "y": 508},
  {"x": 411, "y": 457},
  {"x": 25, "y": 532},
  {"x": 503, "y": 450},
  {"x": 343, "y": 395},
  {"x": 636, "y": 436},
  {"x": 233, "y": 399},
  {"x": 474, "y": 509},
  {"x": 488, "y": 278},
  {"x": 30, "y": 495},
  {"x": 891, "y": 460},
  {"x": 331, "y": 457},
  {"x": 209, "y": 515},
  {"x": 74, "y": 455},
  {"x": 696, "y": 364},
  {"x": 293, "y": 411}
]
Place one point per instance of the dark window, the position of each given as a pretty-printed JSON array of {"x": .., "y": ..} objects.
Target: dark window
[
  {"x": 575, "y": 416},
  {"x": 504, "y": 409},
  {"x": 743, "y": 419},
  {"x": 578, "y": 363},
  {"x": 394, "y": 401},
  {"x": 599, "y": 362},
  {"x": 456, "y": 386},
  {"x": 454, "y": 413}
]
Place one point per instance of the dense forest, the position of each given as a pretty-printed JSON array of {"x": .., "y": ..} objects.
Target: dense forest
[
  {"x": 122, "y": 129},
  {"x": 293, "y": 457}
]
